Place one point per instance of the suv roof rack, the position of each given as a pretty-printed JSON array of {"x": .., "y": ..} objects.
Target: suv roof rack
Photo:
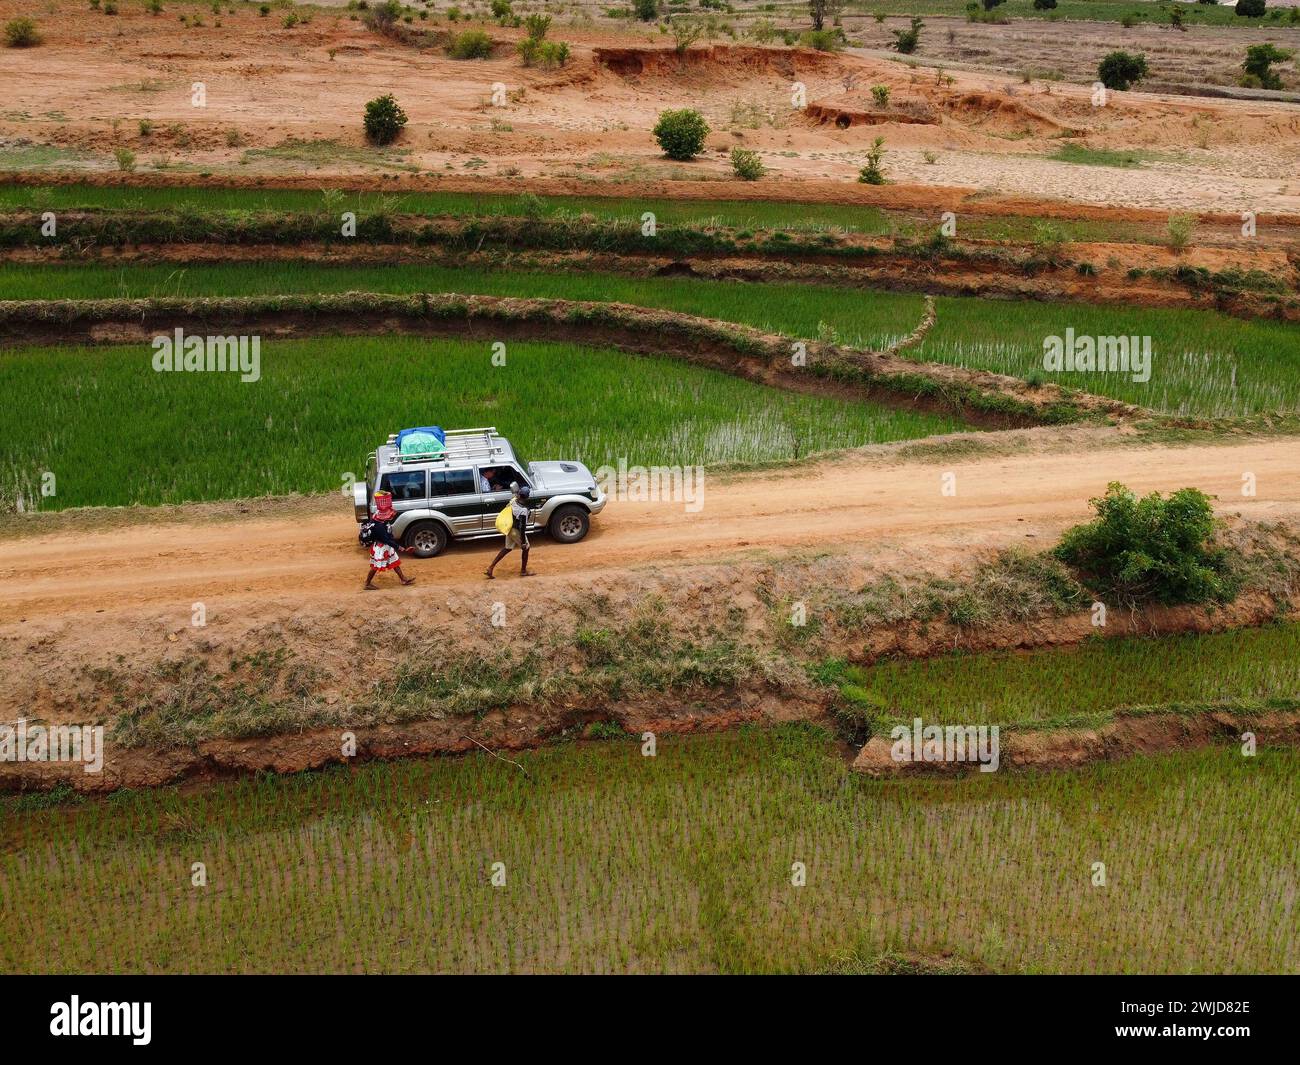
[{"x": 462, "y": 444}]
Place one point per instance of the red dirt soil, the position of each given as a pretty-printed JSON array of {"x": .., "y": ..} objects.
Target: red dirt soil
[{"x": 268, "y": 86}]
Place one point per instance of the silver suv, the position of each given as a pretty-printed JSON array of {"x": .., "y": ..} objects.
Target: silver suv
[{"x": 457, "y": 493}]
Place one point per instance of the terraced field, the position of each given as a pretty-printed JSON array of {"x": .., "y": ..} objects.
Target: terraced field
[
  {"x": 1203, "y": 363},
  {"x": 609, "y": 861},
  {"x": 321, "y": 405}
]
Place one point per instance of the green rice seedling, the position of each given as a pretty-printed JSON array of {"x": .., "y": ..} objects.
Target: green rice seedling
[
  {"x": 197, "y": 436},
  {"x": 1203, "y": 363},
  {"x": 613, "y": 862},
  {"x": 1246, "y": 666}
]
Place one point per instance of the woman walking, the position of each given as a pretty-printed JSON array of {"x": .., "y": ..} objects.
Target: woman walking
[
  {"x": 377, "y": 534},
  {"x": 518, "y": 534}
]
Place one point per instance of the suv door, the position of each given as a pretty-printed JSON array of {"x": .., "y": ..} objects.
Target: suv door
[
  {"x": 495, "y": 501},
  {"x": 455, "y": 493},
  {"x": 410, "y": 489}
]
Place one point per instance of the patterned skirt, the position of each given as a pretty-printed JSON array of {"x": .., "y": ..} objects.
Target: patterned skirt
[{"x": 383, "y": 557}]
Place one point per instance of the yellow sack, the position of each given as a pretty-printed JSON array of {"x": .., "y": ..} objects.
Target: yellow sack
[{"x": 505, "y": 521}]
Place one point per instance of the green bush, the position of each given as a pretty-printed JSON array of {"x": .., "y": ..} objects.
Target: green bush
[
  {"x": 384, "y": 120},
  {"x": 746, "y": 164},
  {"x": 472, "y": 44},
  {"x": 1151, "y": 549},
  {"x": 646, "y": 10},
  {"x": 872, "y": 174},
  {"x": 1044, "y": 5},
  {"x": 681, "y": 133},
  {"x": 1251, "y": 8},
  {"x": 1259, "y": 63},
  {"x": 907, "y": 41},
  {"x": 537, "y": 26},
  {"x": 880, "y": 94},
  {"x": 1119, "y": 70},
  {"x": 822, "y": 40},
  {"x": 21, "y": 33},
  {"x": 544, "y": 53}
]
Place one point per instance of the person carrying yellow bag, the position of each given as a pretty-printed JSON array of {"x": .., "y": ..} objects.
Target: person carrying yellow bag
[{"x": 512, "y": 522}]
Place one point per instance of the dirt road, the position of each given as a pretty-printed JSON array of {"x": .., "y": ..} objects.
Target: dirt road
[{"x": 847, "y": 505}]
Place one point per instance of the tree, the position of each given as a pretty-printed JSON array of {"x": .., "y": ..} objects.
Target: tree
[
  {"x": 1258, "y": 65},
  {"x": 1251, "y": 8},
  {"x": 821, "y": 10},
  {"x": 681, "y": 133},
  {"x": 906, "y": 41},
  {"x": 384, "y": 120},
  {"x": 646, "y": 10},
  {"x": 872, "y": 174},
  {"x": 1119, "y": 70}
]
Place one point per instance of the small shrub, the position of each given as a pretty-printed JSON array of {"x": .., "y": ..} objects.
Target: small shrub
[
  {"x": 822, "y": 40},
  {"x": 1259, "y": 62},
  {"x": 880, "y": 93},
  {"x": 553, "y": 53},
  {"x": 537, "y": 25},
  {"x": 472, "y": 44},
  {"x": 383, "y": 17},
  {"x": 21, "y": 33},
  {"x": 1044, "y": 5},
  {"x": 746, "y": 165},
  {"x": 646, "y": 10},
  {"x": 907, "y": 41},
  {"x": 154, "y": 7},
  {"x": 872, "y": 174},
  {"x": 125, "y": 159},
  {"x": 1180, "y": 229},
  {"x": 1119, "y": 70},
  {"x": 1251, "y": 8},
  {"x": 501, "y": 10},
  {"x": 1151, "y": 549},
  {"x": 681, "y": 133},
  {"x": 383, "y": 120}
]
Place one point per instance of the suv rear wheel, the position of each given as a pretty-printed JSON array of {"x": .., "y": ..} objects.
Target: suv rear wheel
[
  {"x": 428, "y": 538},
  {"x": 569, "y": 523}
]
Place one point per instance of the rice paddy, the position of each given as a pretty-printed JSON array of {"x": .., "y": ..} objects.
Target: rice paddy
[
  {"x": 1087, "y": 682},
  {"x": 115, "y": 432},
  {"x": 740, "y": 215},
  {"x": 684, "y": 862},
  {"x": 1203, "y": 363}
]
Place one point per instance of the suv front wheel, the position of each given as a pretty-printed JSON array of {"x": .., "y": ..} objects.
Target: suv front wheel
[
  {"x": 427, "y": 538},
  {"x": 569, "y": 523}
]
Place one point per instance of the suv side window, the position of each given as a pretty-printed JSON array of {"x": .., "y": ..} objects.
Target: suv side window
[
  {"x": 505, "y": 474},
  {"x": 452, "y": 483},
  {"x": 407, "y": 485}
]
